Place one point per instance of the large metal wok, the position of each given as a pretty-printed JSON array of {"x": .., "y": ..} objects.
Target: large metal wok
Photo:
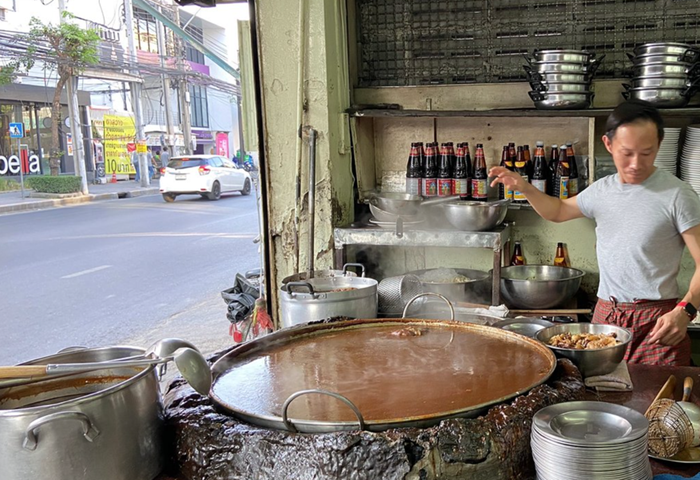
[{"x": 376, "y": 374}]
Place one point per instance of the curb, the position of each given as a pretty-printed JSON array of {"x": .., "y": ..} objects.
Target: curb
[{"x": 60, "y": 202}]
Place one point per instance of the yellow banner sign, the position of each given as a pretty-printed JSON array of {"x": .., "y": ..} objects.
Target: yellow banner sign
[
  {"x": 141, "y": 147},
  {"x": 118, "y": 131}
]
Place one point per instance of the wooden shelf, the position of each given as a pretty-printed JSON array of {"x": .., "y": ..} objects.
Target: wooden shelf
[{"x": 524, "y": 112}]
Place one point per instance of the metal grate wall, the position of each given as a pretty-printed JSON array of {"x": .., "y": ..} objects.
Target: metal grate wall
[{"x": 424, "y": 42}]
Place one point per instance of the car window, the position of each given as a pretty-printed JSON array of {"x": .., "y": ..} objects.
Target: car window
[
  {"x": 184, "y": 162},
  {"x": 227, "y": 163},
  {"x": 215, "y": 162}
]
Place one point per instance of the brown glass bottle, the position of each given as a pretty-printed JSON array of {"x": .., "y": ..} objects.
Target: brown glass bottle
[
  {"x": 460, "y": 175},
  {"x": 540, "y": 171},
  {"x": 470, "y": 168},
  {"x": 528, "y": 160},
  {"x": 444, "y": 178},
  {"x": 553, "y": 160},
  {"x": 430, "y": 168},
  {"x": 503, "y": 191},
  {"x": 561, "y": 182},
  {"x": 480, "y": 179},
  {"x": 522, "y": 170},
  {"x": 574, "y": 186},
  {"x": 560, "y": 259},
  {"x": 518, "y": 258},
  {"x": 414, "y": 169}
]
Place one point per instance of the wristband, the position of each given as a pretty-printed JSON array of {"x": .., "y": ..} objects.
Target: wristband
[{"x": 689, "y": 309}]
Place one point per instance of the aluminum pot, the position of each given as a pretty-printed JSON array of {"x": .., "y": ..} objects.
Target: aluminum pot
[
  {"x": 559, "y": 77},
  {"x": 561, "y": 101},
  {"x": 680, "y": 81},
  {"x": 665, "y": 69},
  {"x": 560, "y": 87},
  {"x": 567, "y": 56},
  {"x": 105, "y": 424},
  {"x": 553, "y": 67},
  {"x": 653, "y": 59},
  {"x": 476, "y": 290},
  {"x": 320, "y": 298},
  {"x": 664, "y": 48},
  {"x": 299, "y": 277},
  {"x": 662, "y": 97}
]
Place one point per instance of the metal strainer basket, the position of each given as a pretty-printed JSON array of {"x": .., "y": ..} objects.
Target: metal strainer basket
[
  {"x": 670, "y": 430},
  {"x": 395, "y": 292}
]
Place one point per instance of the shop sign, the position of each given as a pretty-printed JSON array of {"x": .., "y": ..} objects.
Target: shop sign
[
  {"x": 11, "y": 165},
  {"x": 119, "y": 131},
  {"x": 222, "y": 144}
]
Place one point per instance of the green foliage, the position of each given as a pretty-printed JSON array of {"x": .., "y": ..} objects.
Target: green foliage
[
  {"x": 60, "y": 184},
  {"x": 7, "y": 185},
  {"x": 65, "y": 48}
]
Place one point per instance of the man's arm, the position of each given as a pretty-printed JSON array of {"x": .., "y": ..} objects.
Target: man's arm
[
  {"x": 550, "y": 208},
  {"x": 670, "y": 329}
]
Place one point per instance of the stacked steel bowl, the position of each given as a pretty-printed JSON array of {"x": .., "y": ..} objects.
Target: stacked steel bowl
[
  {"x": 665, "y": 74},
  {"x": 561, "y": 79}
]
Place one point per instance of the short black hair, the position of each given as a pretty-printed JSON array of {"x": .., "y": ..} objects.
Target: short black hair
[{"x": 633, "y": 111}]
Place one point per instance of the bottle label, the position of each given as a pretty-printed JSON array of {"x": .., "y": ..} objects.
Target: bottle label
[
  {"x": 573, "y": 187},
  {"x": 444, "y": 186},
  {"x": 563, "y": 188},
  {"x": 460, "y": 186},
  {"x": 413, "y": 186},
  {"x": 479, "y": 189},
  {"x": 518, "y": 196},
  {"x": 509, "y": 193},
  {"x": 540, "y": 185},
  {"x": 429, "y": 187},
  {"x": 560, "y": 262},
  {"x": 518, "y": 260}
]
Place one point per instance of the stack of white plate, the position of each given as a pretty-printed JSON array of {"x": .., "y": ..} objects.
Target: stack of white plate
[
  {"x": 585, "y": 440},
  {"x": 690, "y": 158},
  {"x": 668, "y": 151}
]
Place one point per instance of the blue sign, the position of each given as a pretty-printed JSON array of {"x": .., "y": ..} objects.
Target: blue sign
[{"x": 16, "y": 130}]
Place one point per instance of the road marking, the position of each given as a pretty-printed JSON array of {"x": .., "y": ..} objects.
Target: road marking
[
  {"x": 161, "y": 234},
  {"x": 85, "y": 272}
]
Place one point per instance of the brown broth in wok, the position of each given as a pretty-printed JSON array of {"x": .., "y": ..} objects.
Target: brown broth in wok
[{"x": 389, "y": 372}]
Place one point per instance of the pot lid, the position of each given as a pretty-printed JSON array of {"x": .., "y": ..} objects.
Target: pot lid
[{"x": 393, "y": 373}]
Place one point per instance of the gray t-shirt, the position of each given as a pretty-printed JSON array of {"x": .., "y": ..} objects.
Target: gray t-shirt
[{"x": 638, "y": 230}]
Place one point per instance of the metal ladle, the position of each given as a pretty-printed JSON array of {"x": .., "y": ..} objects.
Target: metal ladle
[{"x": 191, "y": 364}]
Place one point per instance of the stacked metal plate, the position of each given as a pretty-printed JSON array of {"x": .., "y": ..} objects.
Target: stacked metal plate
[
  {"x": 561, "y": 79},
  {"x": 667, "y": 158},
  {"x": 690, "y": 158},
  {"x": 585, "y": 440},
  {"x": 665, "y": 74}
]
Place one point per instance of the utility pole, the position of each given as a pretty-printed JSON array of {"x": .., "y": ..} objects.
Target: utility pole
[
  {"x": 76, "y": 124},
  {"x": 165, "y": 82},
  {"x": 182, "y": 90},
  {"x": 136, "y": 91}
]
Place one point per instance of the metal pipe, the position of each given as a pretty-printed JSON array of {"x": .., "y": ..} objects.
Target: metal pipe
[
  {"x": 300, "y": 120},
  {"x": 312, "y": 198}
]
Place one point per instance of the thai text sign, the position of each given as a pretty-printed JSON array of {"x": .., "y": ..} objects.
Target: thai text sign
[{"x": 118, "y": 132}]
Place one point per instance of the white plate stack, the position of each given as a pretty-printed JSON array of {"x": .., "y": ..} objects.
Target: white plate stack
[
  {"x": 690, "y": 158},
  {"x": 586, "y": 440},
  {"x": 667, "y": 157}
]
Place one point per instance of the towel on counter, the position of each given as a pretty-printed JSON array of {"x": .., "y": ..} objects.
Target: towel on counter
[
  {"x": 668, "y": 476},
  {"x": 493, "y": 311},
  {"x": 617, "y": 381}
]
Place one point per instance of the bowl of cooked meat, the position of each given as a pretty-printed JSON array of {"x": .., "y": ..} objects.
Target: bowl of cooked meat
[{"x": 596, "y": 349}]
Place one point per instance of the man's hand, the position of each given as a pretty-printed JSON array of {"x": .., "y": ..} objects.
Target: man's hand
[
  {"x": 507, "y": 178},
  {"x": 671, "y": 328}
]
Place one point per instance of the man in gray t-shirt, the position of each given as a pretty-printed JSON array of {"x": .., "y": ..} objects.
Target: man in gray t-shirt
[{"x": 644, "y": 219}]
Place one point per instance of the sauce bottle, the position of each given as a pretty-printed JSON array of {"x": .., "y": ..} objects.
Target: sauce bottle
[
  {"x": 540, "y": 170},
  {"x": 561, "y": 183},
  {"x": 522, "y": 170},
  {"x": 470, "y": 168},
  {"x": 518, "y": 258},
  {"x": 430, "y": 168},
  {"x": 528, "y": 160},
  {"x": 574, "y": 186},
  {"x": 460, "y": 174},
  {"x": 479, "y": 185},
  {"x": 503, "y": 191},
  {"x": 560, "y": 259},
  {"x": 414, "y": 168},
  {"x": 553, "y": 160},
  {"x": 444, "y": 177}
]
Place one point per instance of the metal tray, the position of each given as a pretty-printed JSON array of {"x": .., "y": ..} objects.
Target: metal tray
[{"x": 239, "y": 387}]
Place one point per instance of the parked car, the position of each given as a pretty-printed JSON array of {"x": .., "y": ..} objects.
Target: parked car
[{"x": 207, "y": 175}]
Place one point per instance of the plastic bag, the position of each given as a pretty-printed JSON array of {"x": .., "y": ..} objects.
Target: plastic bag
[{"x": 240, "y": 298}]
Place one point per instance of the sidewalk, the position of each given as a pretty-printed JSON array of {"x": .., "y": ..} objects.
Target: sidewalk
[{"x": 11, "y": 202}]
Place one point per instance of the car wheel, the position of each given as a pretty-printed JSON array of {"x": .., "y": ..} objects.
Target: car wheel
[
  {"x": 246, "y": 187},
  {"x": 169, "y": 197},
  {"x": 215, "y": 192}
]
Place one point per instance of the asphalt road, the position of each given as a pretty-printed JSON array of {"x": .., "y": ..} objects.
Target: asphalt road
[{"x": 126, "y": 271}]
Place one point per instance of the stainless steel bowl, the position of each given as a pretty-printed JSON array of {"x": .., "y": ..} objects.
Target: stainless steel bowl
[
  {"x": 527, "y": 326},
  {"x": 567, "y": 56},
  {"x": 591, "y": 362},
  {"x": 476, "y": 290},
  {"x": 663, "y": 69},
  {"x": 560, "y": 87},
  {"x": 384, "y": 216},
  {"x": 397, "y": 203},
  {"x": 661, "y": 97},
  {"x": 561, "y": 101},
  {"x": 559, "y": 77},
  {"x": 663, "y": 48},
  {"x": 676, "y": 81},
  {"x": 475, "y": 216},
  {"x": 538, "y": 286}
]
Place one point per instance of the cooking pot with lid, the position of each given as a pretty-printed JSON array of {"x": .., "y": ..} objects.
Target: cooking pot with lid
[{"x": 103, "y": 424}]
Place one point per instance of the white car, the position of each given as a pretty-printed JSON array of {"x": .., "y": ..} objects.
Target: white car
[{"x": 206, "y": 175}]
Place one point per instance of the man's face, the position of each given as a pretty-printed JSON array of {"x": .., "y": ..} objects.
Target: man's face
[{"x": 634, "y": 148}]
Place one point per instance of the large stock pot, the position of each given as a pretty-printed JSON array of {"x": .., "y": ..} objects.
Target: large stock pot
[{"x": 102, "y": 425}]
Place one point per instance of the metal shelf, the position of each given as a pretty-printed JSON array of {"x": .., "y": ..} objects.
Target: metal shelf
[
  {"x": 396, "y": 111},
  {"x": 495, "y": 240}
]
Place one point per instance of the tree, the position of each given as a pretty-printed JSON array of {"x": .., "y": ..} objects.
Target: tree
[{"x": 65, "y": 49}]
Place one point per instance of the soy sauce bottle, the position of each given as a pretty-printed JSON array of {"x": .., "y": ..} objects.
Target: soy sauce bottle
[
  {"x": 560, "y": 256},
  {"x": 460, "y": 174},
  {"x": 414, "y": 168},
  {"x": 522, "y": 170},
  {"x": 444, "y": 177},
  {"x": 505, "y": 193},
  {"x": 553, "y": 160},
  {"x": 518, "y": 258},
  {"x": 574, "y": 186},
  {"x": 430, "y": 170},
  {"x": 561, "y": 185},
  {"x": 479, "y": 182},
  {"x": 540, "y": 170}
]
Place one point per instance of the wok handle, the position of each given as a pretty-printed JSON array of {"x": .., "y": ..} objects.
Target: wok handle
[
  {"x": 20, "y": 371},
  {"x": 687, "y": 388},
  {"x": 358, "y": 265},
  {"x": 429, "y": 294},
  {"x": 90, "y": 432},
  {"x": 294, "y": 396}
]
